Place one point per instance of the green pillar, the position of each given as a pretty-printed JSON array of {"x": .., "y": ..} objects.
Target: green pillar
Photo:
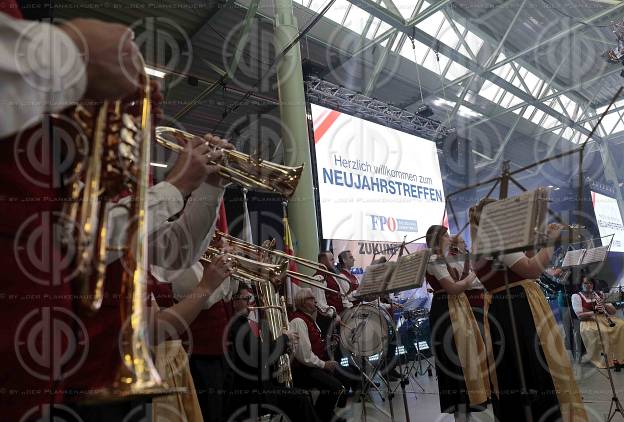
[{"x": 301, "y": 208}]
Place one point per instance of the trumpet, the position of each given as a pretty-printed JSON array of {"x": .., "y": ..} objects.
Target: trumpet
[
  {"x": 263, "y": 253},
  {"x": 117, "y": 159},
  {"x": 245, "y": 170},
  {"x": 257, "y": 271}
]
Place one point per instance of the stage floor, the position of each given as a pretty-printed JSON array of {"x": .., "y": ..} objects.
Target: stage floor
[{"x": 424, "y": 405}]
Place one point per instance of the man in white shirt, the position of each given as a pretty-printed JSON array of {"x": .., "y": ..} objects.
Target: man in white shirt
[{"x": 311, "y": 367}]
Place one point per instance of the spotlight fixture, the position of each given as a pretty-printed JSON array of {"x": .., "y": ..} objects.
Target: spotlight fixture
[{"x": 616, "y": 55}]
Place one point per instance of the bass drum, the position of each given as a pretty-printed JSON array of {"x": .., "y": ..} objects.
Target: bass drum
[{"x": 365, "y": 330}]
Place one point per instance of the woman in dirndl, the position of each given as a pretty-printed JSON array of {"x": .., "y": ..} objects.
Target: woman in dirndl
[
  {"x": 522, "y": 339},
  {"x": 459, "y": 351},
  {"x": 590, "y": 307}
]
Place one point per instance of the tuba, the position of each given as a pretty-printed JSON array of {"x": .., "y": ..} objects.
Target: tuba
[
  {"x": 262, "y": 275},
  {"x": 245, "y": 170},
  {"x": 274, "y": 307},
  {"x": 115, "y": 162}
]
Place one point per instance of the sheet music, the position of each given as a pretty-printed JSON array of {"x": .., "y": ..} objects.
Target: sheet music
[
  {"x": 573, "y": 258},
  {"x": 375, "y": 279},
  {"x": 598, "y": 254},
  {"x": 409, "y": 272},
  {"x": 512, "y": 223}
]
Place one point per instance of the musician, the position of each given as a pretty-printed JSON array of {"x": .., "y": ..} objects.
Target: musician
[
  {"x": 171, "y": 320},
  {"x": 181, "y": 213},
  {"x": 333, "y": 299},
  {"x": 311, "y": 367},
  {"x": 345, "y": 263},
  {"x": 552, "y": 391},
  {"x": 458, "y": 348},
  {"x": 329, "y": 305},
  {"x": 255, "y": 383},
  {"x": 30, "y": 206},
  {"x": 589, "y": 305},
  {"x": 475, "y": 292}
]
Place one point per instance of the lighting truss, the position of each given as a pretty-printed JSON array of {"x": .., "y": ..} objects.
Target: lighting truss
[{"x": 329, "y": 95}]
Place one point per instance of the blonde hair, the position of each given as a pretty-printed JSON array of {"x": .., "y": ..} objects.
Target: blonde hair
[{"x": 301, "y": 296}]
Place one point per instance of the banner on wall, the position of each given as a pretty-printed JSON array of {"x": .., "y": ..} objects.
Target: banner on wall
[
  {"x": 363, "y": 251},
  {"x": 609, "y": 220},
  {"x": 375, "y": 183}
]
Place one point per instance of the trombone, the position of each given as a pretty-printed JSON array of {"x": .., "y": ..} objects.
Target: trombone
[
  {"x": 256, "y": 271},
  {"x": 248, "y": 171},
  {"x": 262, "y": 253}
]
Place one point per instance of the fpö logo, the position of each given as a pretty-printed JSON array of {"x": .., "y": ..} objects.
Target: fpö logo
[{"x": 391, "y": 224}]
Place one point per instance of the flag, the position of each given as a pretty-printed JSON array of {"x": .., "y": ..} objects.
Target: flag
[
  {"x": 246, "y": 234},
  {"x": 254, "y": 317},
  {"x": 292, "y": 285},
  {"x": 222, "y": 218}
]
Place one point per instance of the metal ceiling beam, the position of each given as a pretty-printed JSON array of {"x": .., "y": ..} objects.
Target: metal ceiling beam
[
  {"x": 381, "y": 13},
  {"x": 548, "y": 97},
  {"x": 554, "y": 38},
  {"x": 380, "y": 65},
  {"x": 503, "y": 145},
  {"x": 392, "y": 7},
  {"x": 381, "y": 62},
  {"x": 492, "y": 58},
  {"x": 428, "y": 12},
  {"x": 471, "y": 65},
  {"x": 391, "y": 31},
  {"x": 227, "y": 74},
  {"x": 583, "y": 120},
  {"x": 582, "y": 24}
]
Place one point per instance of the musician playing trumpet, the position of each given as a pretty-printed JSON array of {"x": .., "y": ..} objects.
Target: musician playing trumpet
[{"x": 589, "y": 305}]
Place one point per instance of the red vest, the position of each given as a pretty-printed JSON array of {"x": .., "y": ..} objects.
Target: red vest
[
  {"x": 314, "y": 334},
  {"x": 352, "y": 279},
  {"x": 433, "y": 282},
  {"x": 37, "y": 336},
  {"x": 493, "y": 277},
  {"x": 103, "y": 328},
  {"x": 588, "y": 305},
  {"x": 162, "y": 292},
  {"x": 208, "y": 330},
  {"x": 333, "y": 299}
]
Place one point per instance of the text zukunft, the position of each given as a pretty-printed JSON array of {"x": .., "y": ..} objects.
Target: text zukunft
[{"x": 377, "y": 184}]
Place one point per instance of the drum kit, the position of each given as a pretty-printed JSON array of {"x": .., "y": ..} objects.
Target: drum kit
[{"x": 366, "y": 331}]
